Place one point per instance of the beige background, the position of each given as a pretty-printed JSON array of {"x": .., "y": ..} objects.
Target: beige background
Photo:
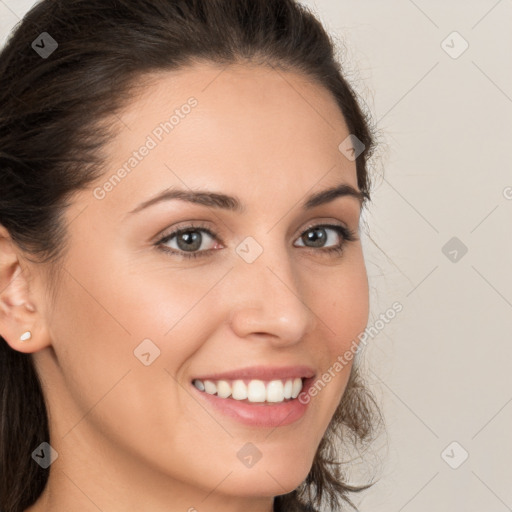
[{"x": 441, "y": 368}]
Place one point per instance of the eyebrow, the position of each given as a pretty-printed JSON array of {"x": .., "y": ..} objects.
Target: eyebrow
[{"x": 232, "y": 203}]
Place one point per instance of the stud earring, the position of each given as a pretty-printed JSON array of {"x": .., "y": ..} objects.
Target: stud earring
[{"x": 26, "y": 336}]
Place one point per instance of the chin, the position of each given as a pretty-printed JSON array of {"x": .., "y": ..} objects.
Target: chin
[{"x": 273, "y": 478}]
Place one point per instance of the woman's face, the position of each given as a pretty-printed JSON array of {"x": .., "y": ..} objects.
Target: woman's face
[{"x": 263, "y": 295}]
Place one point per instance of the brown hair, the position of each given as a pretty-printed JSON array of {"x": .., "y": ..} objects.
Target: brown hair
[{"x": 53, "y": 124}]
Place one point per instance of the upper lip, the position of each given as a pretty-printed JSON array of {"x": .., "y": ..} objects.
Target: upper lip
[{"x": 262, "y": 373}]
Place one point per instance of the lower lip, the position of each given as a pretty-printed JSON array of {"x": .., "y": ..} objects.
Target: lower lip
[{"x": 259, "y": 414}]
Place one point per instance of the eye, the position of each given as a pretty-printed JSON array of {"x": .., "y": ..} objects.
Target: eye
[
  {"x": 189, "y": 240},
  {"x": 318, "y": 235}
]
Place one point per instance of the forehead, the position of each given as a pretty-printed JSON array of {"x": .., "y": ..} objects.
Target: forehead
[{"x": 244, "y": 127}]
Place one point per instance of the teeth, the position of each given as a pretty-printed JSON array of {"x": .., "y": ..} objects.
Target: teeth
[
  {"x": 296, "y": 388},
  {"x": 255, "y": 391},
  {"x": 239, "y": 390},
  {"x": 288, "y": 389},
  {"x": 275, "y": 391},
  {"x": 209, "y": 387},
  {"x": 223, "y": 389},
  {"x": 199, "y": 385}
]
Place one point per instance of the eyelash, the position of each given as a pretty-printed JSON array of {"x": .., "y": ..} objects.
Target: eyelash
[{"x": 346, "y": 234}]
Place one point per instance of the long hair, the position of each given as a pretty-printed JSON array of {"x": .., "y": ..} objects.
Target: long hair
[{"x": 55, "y": 112}]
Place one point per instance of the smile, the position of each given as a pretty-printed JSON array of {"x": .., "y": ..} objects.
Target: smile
[{"x": 254, "y": 390}]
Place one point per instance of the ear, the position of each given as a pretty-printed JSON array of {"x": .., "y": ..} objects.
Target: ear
[{"x": 19, "y": 311}]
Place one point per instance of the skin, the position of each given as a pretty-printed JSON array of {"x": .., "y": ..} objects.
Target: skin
[{"x": 130, "y": 437}]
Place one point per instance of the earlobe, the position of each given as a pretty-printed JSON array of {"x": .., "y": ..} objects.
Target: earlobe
[
  {"x": 26, "y": 336},
  {"x": 21, "y": 324}
]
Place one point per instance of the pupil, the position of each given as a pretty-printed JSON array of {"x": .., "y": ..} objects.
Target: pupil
[
  {"x": 192, "y": 240},
  {"x": 316, "y": 238}
]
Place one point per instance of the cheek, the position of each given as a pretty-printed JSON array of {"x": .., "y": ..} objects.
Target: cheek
[
  {"x": 172, "y": 307},
  {"x": 343, "y": 304},
  {"x": 99, "y": 320},
  {"x": 107, "y": 316},
  {"x": 342, "y": 309}
]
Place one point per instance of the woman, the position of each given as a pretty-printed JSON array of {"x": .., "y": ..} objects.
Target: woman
[{"x": 181, "y": 268}]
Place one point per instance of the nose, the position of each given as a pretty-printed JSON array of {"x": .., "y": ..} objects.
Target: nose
[{"x": 268, "y": 304}]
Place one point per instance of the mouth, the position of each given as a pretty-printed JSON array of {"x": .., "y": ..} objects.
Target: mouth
[
  {"x": 252, "y": 390},
  {"x": 257, "y": 396}
]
